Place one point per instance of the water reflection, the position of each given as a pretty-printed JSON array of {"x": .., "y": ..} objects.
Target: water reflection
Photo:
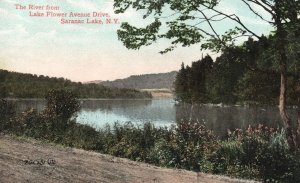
[
  {"x": 164, "y": 112},
  {"x": 230, "y": 117},
  {"x": 25, "y": 104},
  {"x": 98, "y": 113}
]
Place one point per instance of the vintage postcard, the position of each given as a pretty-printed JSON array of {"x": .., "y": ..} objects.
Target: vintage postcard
[{"x": 149, "y": 91}]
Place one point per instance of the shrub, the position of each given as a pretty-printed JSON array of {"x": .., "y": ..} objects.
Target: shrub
[
  {"x": 60, "y": 108},
  {"x": 227, "y": 155},
  {"x": 260, "y": 152},
  {"x": 61, "y": 104},
  {"x": 81, "y": 136},
  {"x": 165, "y": 154},
  {"x": 277, "y": 162},
  {"x": 7, "y": 112},
  {"x": 31, "y": 124},
  {"x": 133, "y": 142},
  {"x": 192, "y": 143}
]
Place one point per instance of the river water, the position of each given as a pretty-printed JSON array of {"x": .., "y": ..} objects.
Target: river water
[{"x": 165, "y": 112}]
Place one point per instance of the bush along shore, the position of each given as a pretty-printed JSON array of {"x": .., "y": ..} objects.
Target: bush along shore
[{"x": 259, "y": 153}]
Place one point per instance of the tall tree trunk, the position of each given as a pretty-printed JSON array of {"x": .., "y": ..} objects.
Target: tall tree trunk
[
  {"x": 295, "y": 25},
  {"x": 282, "y": 100},
  {"x": 298, "y": 120},
  {"x": 282, "y": 59}
]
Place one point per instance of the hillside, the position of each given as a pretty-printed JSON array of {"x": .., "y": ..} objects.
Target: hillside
[
  {"x": 22, "y": 161},
  {"x": 20, "y": 85},
  {"x": 145, "y": 81},
  {"x": 94, "y": 82}
]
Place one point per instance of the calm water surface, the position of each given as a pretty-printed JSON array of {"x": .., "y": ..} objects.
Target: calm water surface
[{"x": 165, "y": 112}]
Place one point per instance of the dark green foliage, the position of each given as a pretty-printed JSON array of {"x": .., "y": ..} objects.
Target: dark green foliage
[
  {"x": 17, "y": 85},
  {"x": 211, "y": 82},
  {"x": 35, "y": 124},
  {"x": 57, "y": 116},
  {"x": 194, "y": 142},
  {"x": 259, "y": 152},
  {"x": 240, "y": 74},
  {"x": 81, "y": 136},
  {"x": 227, "y": 155},
  {"x": 164, "y": 154},
  {"x": 128, "y": 34},
  {"x": 227, "y": 70},
  {"x": 133, "y": 142},
  {"x": 199, "y": 78},
  {"x": 186, "y": 145},
  {"x": 62, "y": 104},
  {"x": 7, "y": 111},
  {"x": 261, "y": 87},
  {"x": 181, "y": 84},
  {"x": 190, "y": 84},
  {"x": 261, "y": 82}
]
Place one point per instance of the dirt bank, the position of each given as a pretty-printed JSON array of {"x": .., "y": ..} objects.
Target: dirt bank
[
  {"x": 160, "y": 93},
  {"x": 23, "y": 160}
]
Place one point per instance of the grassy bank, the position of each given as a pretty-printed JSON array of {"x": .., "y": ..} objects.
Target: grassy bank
[{"x": 259, "y": 153}]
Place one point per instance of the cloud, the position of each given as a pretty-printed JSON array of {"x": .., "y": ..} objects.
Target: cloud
[
  {"x": 5, "y": 14},
  {"x": 43, "y": 37},
  {"x": 10, "y": 1},
  {"x": 83, "y": 4},
  {"x": 18, "y": 31}
]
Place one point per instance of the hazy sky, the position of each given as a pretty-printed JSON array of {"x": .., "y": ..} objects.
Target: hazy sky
[{"x": 42, "y": 45}]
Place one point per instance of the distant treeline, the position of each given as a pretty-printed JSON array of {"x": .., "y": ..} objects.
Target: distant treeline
[
  {"x": 19, "y": 85},
  {"x": 145, "y": 81},
  {"x": 247, "y": 73}
]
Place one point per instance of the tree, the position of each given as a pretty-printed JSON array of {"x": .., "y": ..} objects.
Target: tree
[
  {"x": 62, "y": 104},
  {"x": 181, "y": 85},
  {"x": 191, "y": 82},
  {"x": 184, "y": 25},
  {"x": 261, "y": 85},
  {"x": 227, "y": 70},
  {"x": 198, "y": 81}
]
